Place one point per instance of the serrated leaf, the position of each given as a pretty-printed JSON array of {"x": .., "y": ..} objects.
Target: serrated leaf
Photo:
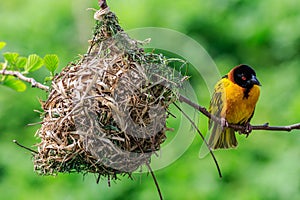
[
  {"x": 51, "y": 62},
  {"x": 11, "y": 58},
  {"x": 34, "y": 62},
  {"x": 2, "y": 45},
  {"x": 21, "y": 62},
  {"x": 14, "y": 84}
]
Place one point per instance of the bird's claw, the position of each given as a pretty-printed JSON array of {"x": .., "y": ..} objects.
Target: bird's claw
[{"x": 247, "y": 130}]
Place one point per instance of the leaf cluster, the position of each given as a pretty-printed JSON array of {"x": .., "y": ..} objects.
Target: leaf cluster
[{"x": 25, "y": 65}]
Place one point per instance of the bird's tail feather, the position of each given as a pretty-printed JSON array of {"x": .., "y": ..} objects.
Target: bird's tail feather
[{"x": 222, "y": 138}]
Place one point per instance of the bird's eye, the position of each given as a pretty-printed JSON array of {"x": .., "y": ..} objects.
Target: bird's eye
[{"x": 243, "y": 77}]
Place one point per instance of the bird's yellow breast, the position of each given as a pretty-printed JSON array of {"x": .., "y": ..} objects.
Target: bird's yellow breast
[{"x": 238, "y": 108}]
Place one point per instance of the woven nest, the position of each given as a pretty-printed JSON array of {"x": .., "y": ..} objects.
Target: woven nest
[{"x": 106, "y": 113}]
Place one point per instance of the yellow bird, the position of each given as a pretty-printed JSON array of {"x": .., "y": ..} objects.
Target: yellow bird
[{"x": 233, "y": 100}]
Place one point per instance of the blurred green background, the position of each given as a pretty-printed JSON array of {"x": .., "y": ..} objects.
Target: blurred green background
[{"x": 264, "y": 34}]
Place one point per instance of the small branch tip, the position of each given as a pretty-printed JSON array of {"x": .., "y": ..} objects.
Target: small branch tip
[
  {"x": 102, "y": 4},
  {"x": 22, "y": 146}
]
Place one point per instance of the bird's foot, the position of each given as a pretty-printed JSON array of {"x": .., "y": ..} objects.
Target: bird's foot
[
  {"x": 247, "y": 130},
  {"x": 224, "y": 123}
]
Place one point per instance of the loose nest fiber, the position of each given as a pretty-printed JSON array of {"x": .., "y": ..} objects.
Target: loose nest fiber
[{"x": 106, "y": 113}]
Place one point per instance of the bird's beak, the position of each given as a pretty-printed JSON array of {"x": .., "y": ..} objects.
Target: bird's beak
[{"x": 255, "y": 81}]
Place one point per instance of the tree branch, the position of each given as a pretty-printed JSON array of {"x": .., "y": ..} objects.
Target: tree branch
[
  {"x": 239, "y": 128},
  {"x": 20, "y": 76},
  {"x": 277, "y": 128}
]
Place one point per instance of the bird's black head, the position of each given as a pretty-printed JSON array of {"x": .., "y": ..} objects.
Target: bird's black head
[{"x": 244, "y": 76}]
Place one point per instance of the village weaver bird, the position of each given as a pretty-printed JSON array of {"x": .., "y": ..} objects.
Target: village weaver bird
[{"x": 233, "y": 101}]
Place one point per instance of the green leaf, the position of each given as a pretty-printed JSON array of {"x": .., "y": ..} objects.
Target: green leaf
[
  {"x": 48, "y": 78},
  {"x": 51, "y": 62},
  {"x": 2, "y": 45},
  {"x": 11, "y": 58},
  {"x": 21, "y": 62},
  {"x": 14, "y": 84},
  {"x": 34, "y": 62}
]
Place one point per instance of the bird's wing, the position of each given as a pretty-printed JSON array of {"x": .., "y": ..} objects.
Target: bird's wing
[
  {"x": 217, "y": 102},
  {"x": 217, "y": 108}
]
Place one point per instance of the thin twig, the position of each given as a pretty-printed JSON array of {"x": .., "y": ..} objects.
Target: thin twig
[
  {"x": 98, "y": 178},
  {"x": 203, "y": 138},
  {"x": 22, "y": 146},
  {"x": 108, "y": 181},
  {"x": 240, "y": 128},
  {"x": 155, "y": 181},
  {"x": 20, "y": 76},
  {"x": 276, "y": 128},
  {"x": 102, "y": 4}
]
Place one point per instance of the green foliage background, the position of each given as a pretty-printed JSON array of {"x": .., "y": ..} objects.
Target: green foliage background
[{"x": 264, "y": 34}]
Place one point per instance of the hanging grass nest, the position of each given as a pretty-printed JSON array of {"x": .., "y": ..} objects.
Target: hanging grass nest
[{"x": 106, "y": 113}]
